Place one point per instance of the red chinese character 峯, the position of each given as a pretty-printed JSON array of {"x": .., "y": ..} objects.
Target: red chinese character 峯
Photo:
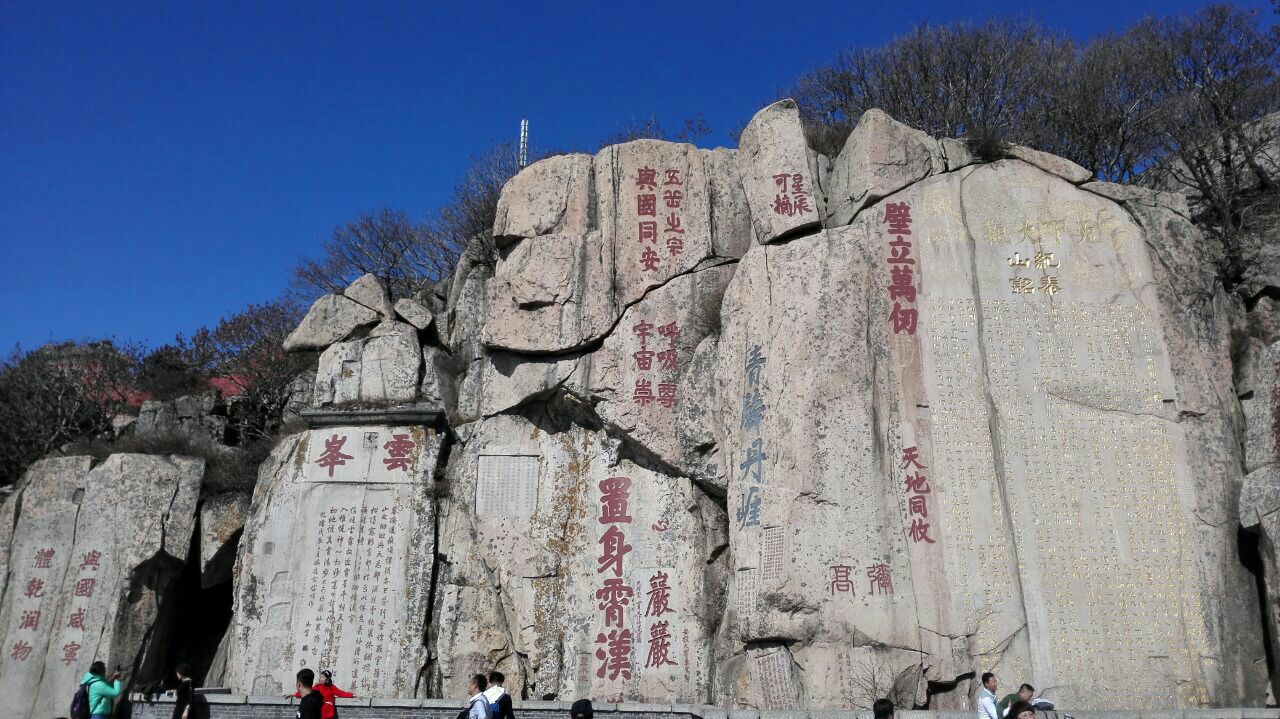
[
  {"x": 919, "y": 531},
  {"x": 614, "y": 596},
  {"x": 70, "y": 653},
  {"x": 21, "y": 650},
  {"x": 614, "y": 550},
  {"x": 617, "y": 660},
  {"x": 647, "y": 177},
  {"x": 44, "y": 558},
  {"x": 84, "y": 587},
  {"x": 613, "y": 500},
  {"x": 673, "y": 198},
  {"x": 659, "y": 645},
  {"x": 898, "y": 216},
  {"x": 643, "y": 394},
  {"x": 333, "y": 456},
  {"x": 648, "y": 231},
  {"x": 35, "y": 589},
  {"x": 841, "y": 581},
  {"x": 673, "y": 177},
  {"x": 911, "y": 455},
  {"x": 399, "y": 448},
  {"x": 76, "y": 621},
  {"x": 659, "y": 596},
  {"x": 649, "y": 259},
  {"x": 667, "y": 394},
  {"x": 904, "y": 319},
  {"x": 647, "y": 205},
  {"x": 30, "y": 620},
  {"x": 916, "y": 504},
  {"x": 881, "y": 579},
  {"x": 92, "y": 559}
]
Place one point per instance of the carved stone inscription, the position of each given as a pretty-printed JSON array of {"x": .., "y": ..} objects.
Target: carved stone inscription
[{"x": 507, "y": 485}]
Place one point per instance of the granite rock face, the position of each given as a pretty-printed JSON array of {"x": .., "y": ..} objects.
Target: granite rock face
[
  {"x": 960, "y": 417},
  {"x": 330, "y": 319},
  {"x": 93, "y": 555}
]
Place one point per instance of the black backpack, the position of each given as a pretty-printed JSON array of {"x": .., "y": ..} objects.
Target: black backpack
[{"x": 80, "y": 702}]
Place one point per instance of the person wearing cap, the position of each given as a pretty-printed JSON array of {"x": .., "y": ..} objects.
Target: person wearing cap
[
  {"x": 581, "y": 709},
  {"x": 327, "y": 689}
]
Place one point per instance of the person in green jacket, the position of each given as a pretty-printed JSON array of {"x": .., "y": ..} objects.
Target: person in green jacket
[
  {"x": 102, "y": 691},
  {"x": 1024, "y": 694}
]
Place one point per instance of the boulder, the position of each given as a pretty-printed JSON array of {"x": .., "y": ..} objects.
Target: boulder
[
  {"x": 781, "y": 185},
  {"x": 221, "y": 519},
  {"x": 331, "y": 319},
  {"x": 380, "y": 369},
  {"x": 551, "y": 196},
  {"x": 880, "y": 157},
  {"x": 1052, "y": 164},
  {"x": 190, "y": 415},
  {"x": 341, "y": 525},
  {"x": 414, "y": 312},
  {"x": 370, "y": 291}
]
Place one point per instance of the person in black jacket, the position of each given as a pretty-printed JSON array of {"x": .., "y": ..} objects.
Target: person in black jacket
[
  {"x": 182, "y": 706},
  {"x": 498, "y": 696},
  {"x": 312, "y": 700}
]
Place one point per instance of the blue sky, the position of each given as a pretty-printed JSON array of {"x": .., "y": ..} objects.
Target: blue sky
[{"x": 163, "y": 164}]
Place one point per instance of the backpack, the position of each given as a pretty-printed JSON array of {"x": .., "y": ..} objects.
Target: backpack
[{"x": 80, "y": 702}]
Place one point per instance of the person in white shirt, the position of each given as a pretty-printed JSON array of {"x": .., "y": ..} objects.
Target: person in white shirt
[
  {"x": 478, "y": 706},
  {"x": 498, "y": 697},
  {"x": 987, "y": 697}
]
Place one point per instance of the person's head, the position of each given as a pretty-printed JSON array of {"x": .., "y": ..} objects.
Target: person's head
[
  {"x": 882, "y": 709},
  {"x": 98, "y": 669},
  {"x": 478, "y": 684},
  {"x": 989, "y": 681},
  {"x": 496, "y": 678},
  {"x": 326, "y": 676},
  {"x": 306, "y": 678},
  {"x": 183, "y": 670},
  {"x": 1021, "y": 710},
  {"x": 581, "y": 709},
  {"x": 1025, "y": 692}
]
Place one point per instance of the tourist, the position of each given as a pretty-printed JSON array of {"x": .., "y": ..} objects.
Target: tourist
[
  {"x": 1024, "y": 694},
  {"x": 102, "y": 695},
  {"x": 312, "y": 701},
  {"x": 581, "y": 709},
  {"x": 1022, "y": 710},
  {"x": 478, "y": 705},
  {"x": 987, "y": 697},
  {"x": 882, "y": 709},
  {"x": 182, "y": 700},
  {"x": 330, "y": 692},
  {"x": 499, "y": 699}
]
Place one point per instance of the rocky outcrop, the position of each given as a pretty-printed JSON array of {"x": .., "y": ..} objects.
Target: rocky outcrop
[
  {"x": 330, "y": 319},
  {"x": 94, "y": 555},
  {"x": 705, "y": 445},
  {"x": 190, "y": 415}
]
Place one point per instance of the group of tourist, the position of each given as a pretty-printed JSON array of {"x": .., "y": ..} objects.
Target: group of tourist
[{"x": 1013, "y": 706}]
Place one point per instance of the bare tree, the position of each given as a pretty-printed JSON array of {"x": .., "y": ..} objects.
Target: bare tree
[
  {"x": 60, "y": 393},
  {"x": 691, "y": 130},
  {"x": 386, "y": 243}
]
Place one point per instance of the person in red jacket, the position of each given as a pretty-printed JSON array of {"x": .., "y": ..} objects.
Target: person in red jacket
[{"x": 329, "y": 710}]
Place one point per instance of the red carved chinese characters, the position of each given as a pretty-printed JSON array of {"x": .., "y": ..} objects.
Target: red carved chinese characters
[
  {"x": 792, "y": 198},
  {"x": 398, "y": 447},
  {"x": 615, "y": 594},
  {"x": 44, "y": 558},
  {"x": 881, "y": 579},
  {"x": 659, "y": 645},
  {"x": 840, "y": 580},
  {"x": 333, "y": 456},
  {"x": 659, "y": 596},
  {"x": 902, "y": 286},
  {"x": 643, "y": 391},
  {"x": 917, "y": 500}
]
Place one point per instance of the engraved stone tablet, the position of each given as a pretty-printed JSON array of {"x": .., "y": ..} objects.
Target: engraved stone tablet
[{"x": 507, "y": 485}]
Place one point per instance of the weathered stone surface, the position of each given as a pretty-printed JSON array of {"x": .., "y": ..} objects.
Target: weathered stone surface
[
  {"x": 1052, "y": 164},
  {"x": 522, "y": 583},
  {"x": 780, "y": 183},
  {"x": 221, "y": 519},
  {"x": 414, "y": 312},
  {"x": 381, "y": 369},
  {"x": 551, "y": 293},
  {"x": 330, "y": 501},
  {"x": 1262, "y": 411},
  {"x": 499, "y": 381},
  {"x": 1059, "y": 384},
  {"x": 880, "y": 157},
  {"x": 331, "y": 319},
  {"x": 191, "y": 415},
  {"x": 370, "y": 291},
  {"x": 94, "y": 553},
  {"x": 550, "y": 196}
]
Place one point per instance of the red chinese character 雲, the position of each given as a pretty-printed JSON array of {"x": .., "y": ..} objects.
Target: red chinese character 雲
[{"x": 399, "y": 448}]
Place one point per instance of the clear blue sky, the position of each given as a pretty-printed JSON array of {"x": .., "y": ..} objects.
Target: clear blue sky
[{"x": 165, "y": 163}]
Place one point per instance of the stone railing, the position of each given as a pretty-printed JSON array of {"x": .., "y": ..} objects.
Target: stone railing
[{"x": 232, "y": 706}]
